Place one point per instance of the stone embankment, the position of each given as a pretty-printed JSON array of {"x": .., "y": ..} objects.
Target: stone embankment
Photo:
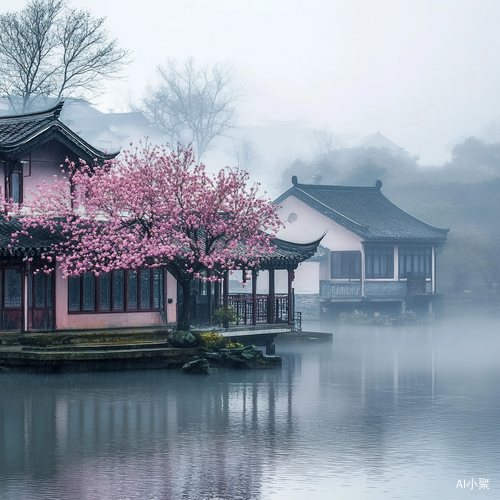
[{"x": 108, "y": 351}]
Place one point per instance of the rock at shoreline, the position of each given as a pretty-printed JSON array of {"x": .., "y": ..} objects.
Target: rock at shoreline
[
  {"x": 198, "y": 366},
  {"x": 183, "y": 339}
]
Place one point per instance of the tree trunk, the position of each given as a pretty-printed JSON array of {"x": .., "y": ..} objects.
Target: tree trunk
[{"x": 184, "y": 312}]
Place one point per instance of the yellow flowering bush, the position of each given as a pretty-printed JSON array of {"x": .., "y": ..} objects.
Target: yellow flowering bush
[
  {"x": 213, "y": 340},
  {"x": 233, "y": 345},
  {"x": 210, "y": 338}
]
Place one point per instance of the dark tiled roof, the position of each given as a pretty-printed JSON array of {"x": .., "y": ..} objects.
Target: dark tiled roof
[
  {"x": 365, "y": 211},
  {"x": 37, "y": 240},
  {"x": 21, "y": 133}
]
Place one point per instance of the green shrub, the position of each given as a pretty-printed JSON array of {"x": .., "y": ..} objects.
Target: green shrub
[{"x": 225, "y": 314}]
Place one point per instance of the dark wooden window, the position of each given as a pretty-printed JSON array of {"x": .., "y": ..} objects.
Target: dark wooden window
[
  {"x": 131, "y": 289},
  {"x": 16, "y": 187},
  {"x": 74, "y": 294},
  {"x": 345, "y": 265},
  {"x": 42, "y": 290},
  {"x": 104, "y": 292},
  {"x": 117, "y": 291},
  {"x": 14, "y": 184},
  {"x": 415, "y": 261},
  {"x": 11, "y": 299},
  {"x": 39, "y": 289},
  {"x": 157, "y": 288},
  {"x": 13, "y": 289},
  {"x": 379, "y": 261},
  {"x": 89, "y": 291},
  {"x": 145, "y": 283}
]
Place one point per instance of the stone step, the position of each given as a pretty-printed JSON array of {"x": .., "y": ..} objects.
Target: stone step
[{"x": 98, "y": 347}]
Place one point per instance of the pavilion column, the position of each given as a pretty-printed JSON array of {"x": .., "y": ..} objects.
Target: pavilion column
[
  {"x": 271, "y": 311},
  {"x": 291, "y": 276},
  {"x": 225, "y": 291},
  {"x": 254, "y": 296},
  {"x": 225, "y": 296},
  {"x": 216, "y": 295},
  {"x": 209, "y": 299}
]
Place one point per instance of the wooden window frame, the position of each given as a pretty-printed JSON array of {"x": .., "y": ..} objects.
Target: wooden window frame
[
  {"x": 4, "y": 289},
  {"x": 97, "y": 291},
  {"x": 353, "y": 259},
  {"x": 414, "y": 251},
  {"x": 382, "y": 253},
  {"x": 18, "y": 170}
]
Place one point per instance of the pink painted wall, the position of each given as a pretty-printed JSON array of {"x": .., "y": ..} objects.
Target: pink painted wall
[
  {"x": 2, "y": 179},
  {"x": 46, "y": 162},
  {"x": 66, "y": 321}
]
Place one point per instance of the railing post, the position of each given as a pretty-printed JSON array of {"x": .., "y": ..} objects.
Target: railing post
[
  {"x": 209, "y": 300},
  {"x": 254, "y": 297},
  {"x": 271, "y": 313},
  {"x": 290, "y": 295},
  {"x": 225, "y": 296}
]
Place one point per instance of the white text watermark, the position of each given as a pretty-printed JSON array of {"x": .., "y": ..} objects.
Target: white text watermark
[{"x": 482, "y": 484}]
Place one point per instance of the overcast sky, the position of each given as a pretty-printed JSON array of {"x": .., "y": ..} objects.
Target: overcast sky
[{"x": 424, "y": 73}]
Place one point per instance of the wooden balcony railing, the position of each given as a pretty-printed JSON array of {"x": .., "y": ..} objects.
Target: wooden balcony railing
[{"x": 243, "y": 305}]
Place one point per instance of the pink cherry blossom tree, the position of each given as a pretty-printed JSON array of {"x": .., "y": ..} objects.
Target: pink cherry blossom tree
[{"x": 153, "y": 207}]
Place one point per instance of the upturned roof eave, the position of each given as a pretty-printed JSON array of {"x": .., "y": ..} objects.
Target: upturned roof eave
[
  {"x": 53, "y": 111},
  {"x": 15, "y": 150},
  {"x": 46, "y": 132}
]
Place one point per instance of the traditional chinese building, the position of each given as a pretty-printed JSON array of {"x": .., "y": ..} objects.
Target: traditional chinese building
[
  {"x": 32, "y": 148},
  {"x": 375, "y": 257}
]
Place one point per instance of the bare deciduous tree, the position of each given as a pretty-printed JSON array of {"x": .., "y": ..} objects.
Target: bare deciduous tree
[
  {"x": 50, "y": 50},
  {"x": 245, "y": 153},
  {"x": 326, "y": 141},
  {"x": 193, "y": 104}
]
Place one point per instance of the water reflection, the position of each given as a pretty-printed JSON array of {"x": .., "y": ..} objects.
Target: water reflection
[{"x": 385, "y": 413}]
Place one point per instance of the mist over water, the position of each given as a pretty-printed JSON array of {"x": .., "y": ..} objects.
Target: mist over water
[{"x": 376, "y": 413}]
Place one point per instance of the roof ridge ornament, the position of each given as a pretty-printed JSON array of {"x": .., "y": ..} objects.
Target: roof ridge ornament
[
  {"x": 378, "y": 184},
  {"x": 295, "y": 181}
]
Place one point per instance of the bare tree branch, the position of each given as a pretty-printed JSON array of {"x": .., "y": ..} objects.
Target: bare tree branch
[
  {"x": 193, "y": 105},
  {"x": 245, "y": 153},
  {"x": 49, "y": 50},
  {"x": 87, "y": 52}
]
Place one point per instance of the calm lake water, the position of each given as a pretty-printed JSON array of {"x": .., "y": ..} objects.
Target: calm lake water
[{"x": 376, "y": 413}]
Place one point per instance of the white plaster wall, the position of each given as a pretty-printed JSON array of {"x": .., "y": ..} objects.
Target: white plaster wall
[
  {"x": 263, "y": 282},
  {"x": 281, "y": 281},
  {"x": 310, "y": 225},
  {"x": 307, "y": 278}
]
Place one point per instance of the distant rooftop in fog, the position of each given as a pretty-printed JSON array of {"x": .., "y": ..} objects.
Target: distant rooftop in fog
[
  {"x": 109, "y": 131},
  {"x": 105, "y": 131},
  {"x": 377, "y": 140},
  {"x": 21, "y": 133}
]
